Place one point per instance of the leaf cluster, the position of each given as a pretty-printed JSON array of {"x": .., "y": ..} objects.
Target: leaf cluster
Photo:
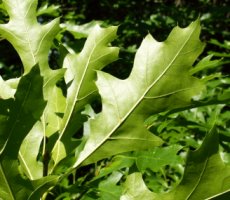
[{"x": 77, "y": 132}]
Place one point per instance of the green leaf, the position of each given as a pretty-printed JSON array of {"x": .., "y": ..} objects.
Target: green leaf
[
  {"x": 19, "y": 113},
  {"x": 224, "y": 45},
  {"x": 152, "y": 87},
  {"x": 206, "y": 63},
  {"x": 135, "y": 188},
  {"x": 17, "y": 117},
  {"x": 80, "y": 75},
  {"x": 51, "y": 10},
  {"x": 108, "y": 189},
  {"x": 117, "y": 163},
  {"x": 31, "y": 40},
  {"x": 158, "y": 158},
  {"x": 41, "y": 186},
  {"x": 28, "y": 153},
  {"x": 6, "y": 91},
  {"x": 56, "y": 105},
  {"x": 16, "y": 187},
  {"x": 13, "y": 186},
  {"x": 80, "y": 31},
  {"x": 205, "y": 176}
]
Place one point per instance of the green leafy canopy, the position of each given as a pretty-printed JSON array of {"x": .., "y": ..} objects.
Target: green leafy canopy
[
  {"x": 39, "y": 122},
  {"x": 205, "y": 176}
]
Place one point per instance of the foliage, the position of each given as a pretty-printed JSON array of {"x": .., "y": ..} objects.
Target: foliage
[
  {"x": 198, "y": 181},
  {"x": 155, "y": 16},
  {"x": 77, "y": 132}
]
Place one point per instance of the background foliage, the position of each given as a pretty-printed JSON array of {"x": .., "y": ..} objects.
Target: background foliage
[{"x": 135, "y": 20}]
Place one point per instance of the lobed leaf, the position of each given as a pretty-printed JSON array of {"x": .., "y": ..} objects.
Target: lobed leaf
[
  {"x": 28, "y": 154},
  {"x": 152, "y": 87},
  {"x": 135, "y": 188},
  {"x": 205, "y": 176},
  {"x": 158, "y": 158},
  {"x": 161, "y": 80},
  {"x": 17, "y": 117},
  {"x": 14, "y": 186},
  {"x": 80, "y": 72},
  {"x": 31, "y": 40}
]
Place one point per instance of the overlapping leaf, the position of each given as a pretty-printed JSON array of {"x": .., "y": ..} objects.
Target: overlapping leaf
[
  {"x": 28, "y": 159},
  {"x": 80, "y": 75},
  {"x": 17, "y": 117},
  {"x": 158, "y": 158},
  {"x": 31, "y": 40},
  {"x": 135, "y": 188},
  {"x": 205, "y": 175},
  {"x": 108, "y": 189},
  {"x": 6, "y": 91},
  {"x": 15, "y": 187},
  {"x": 159, "y": 81}
]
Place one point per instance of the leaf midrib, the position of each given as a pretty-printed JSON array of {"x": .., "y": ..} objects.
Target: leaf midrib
[
  {"x": 198, "y": 181},
  {"x": 78, "y": 162},
  {"x": 7, "y": 183},
  {"x": 26, "y": 166},
  {"x": 40, "y": 186},
  {"x": 66, "y": 122},
  {"x": 28, "y": 39}
]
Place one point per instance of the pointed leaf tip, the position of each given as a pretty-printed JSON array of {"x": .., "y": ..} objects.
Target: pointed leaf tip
[{"x": 152, "y": 87}]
